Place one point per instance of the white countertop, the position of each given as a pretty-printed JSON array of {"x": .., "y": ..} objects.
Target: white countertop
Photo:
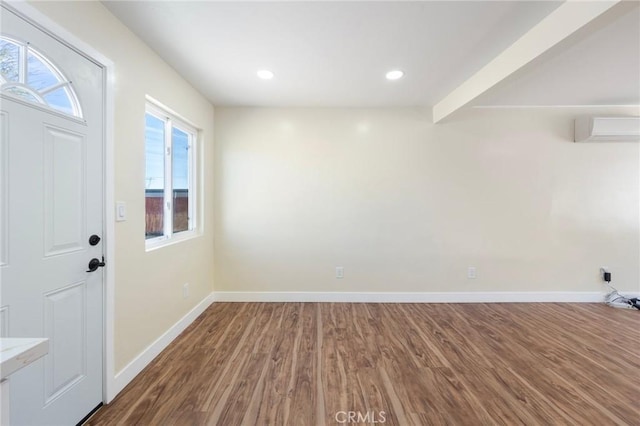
[{"x": 16, "y": 353}]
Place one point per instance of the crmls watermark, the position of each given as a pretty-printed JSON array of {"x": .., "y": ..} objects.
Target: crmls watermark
[{"x": 360, "y": 417}]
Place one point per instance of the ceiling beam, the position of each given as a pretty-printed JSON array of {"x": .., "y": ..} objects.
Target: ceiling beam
[{"x": 555, "y": 27}]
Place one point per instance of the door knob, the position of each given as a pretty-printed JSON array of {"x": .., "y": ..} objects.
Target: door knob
[{"x": 95, "y": 263}]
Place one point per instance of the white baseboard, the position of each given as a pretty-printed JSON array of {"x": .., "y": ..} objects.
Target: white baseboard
[
  {"x": 128, "y": 373},
  {"x": 426, "y": 297}
]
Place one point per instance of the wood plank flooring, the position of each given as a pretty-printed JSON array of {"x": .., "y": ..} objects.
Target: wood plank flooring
[{"x": 392, "y": 364}]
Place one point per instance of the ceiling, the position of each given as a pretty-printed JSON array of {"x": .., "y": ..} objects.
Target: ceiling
[{"x": 335, "y": 54}]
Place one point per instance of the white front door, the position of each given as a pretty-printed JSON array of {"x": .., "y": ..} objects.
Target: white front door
[{"x": 51, "y": 190}]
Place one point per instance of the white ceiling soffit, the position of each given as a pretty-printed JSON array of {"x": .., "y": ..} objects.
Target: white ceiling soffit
[
  {"x": 597, "y": 66},
  {"x": 335, "y": 54},
  {"x": 553, "y": 30}
]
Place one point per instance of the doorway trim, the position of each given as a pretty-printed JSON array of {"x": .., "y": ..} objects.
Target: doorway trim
[{"x": 38, "y": 19}]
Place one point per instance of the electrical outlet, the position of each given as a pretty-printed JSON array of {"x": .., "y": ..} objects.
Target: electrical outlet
[
  {"x": 339, "y": 272},
  {"x": 185, "y": 291},
  {"x": 472, "y": 273}
]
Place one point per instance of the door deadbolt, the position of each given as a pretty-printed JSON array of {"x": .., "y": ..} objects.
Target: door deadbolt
[{"x": 94, "y": 240}]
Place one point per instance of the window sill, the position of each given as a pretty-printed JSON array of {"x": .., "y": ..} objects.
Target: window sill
[{"x": 156, "y": 243}]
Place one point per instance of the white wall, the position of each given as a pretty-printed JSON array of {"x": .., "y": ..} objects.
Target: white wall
[
  {"x": 407, "y": 206},
  {"x": 148, "y": 288}
]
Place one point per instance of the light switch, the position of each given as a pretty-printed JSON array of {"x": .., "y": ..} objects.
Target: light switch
[{"x": 121, "y": 211}]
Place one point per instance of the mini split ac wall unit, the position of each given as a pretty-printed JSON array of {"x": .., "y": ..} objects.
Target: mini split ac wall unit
[{"x": 607, "y": 129}]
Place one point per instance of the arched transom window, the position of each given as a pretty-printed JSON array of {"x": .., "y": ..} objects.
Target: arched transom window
[{"x": 29, "y": 75}]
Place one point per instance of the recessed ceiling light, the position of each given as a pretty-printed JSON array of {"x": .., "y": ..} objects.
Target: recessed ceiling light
[
  {"x": 394, "y": 75},
  {"x": 265, "y": 74}
]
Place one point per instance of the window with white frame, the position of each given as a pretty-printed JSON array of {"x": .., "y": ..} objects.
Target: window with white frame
[
  {"x": 170, "y": 156},
  {"x": 27, "y": 74}
]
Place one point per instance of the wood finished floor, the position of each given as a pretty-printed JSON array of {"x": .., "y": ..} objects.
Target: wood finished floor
[{"x": 422, "y": 364}]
